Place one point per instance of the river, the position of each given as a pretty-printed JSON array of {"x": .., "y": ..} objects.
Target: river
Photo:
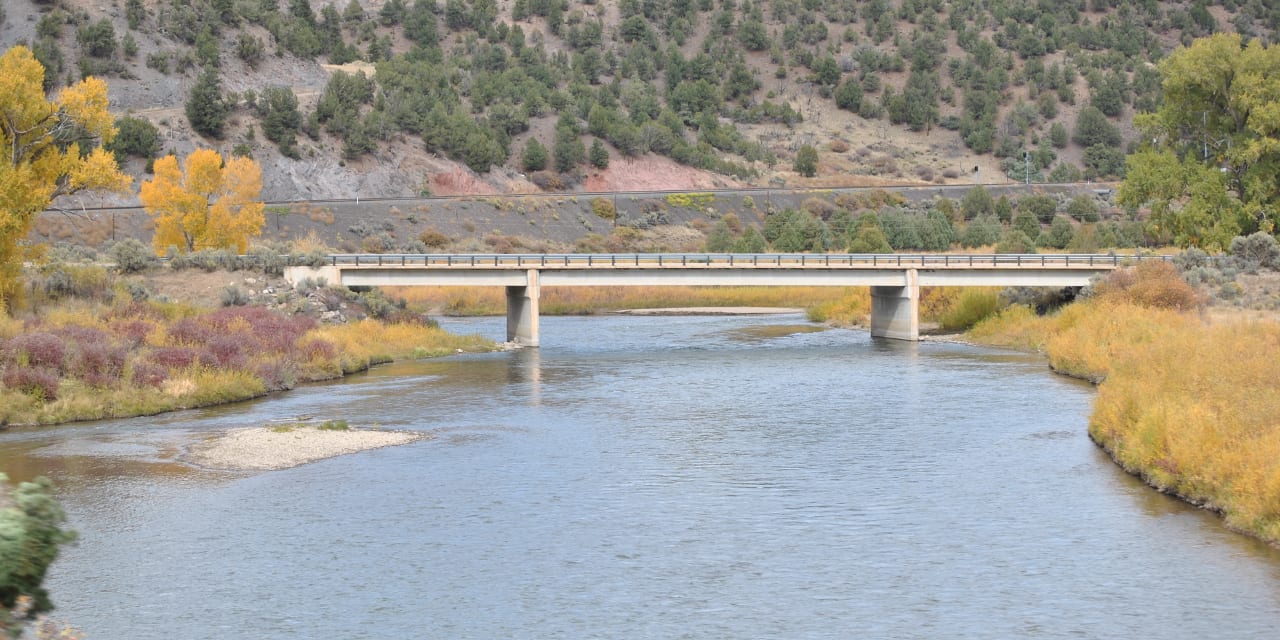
[{"x": 652, "y": 477}]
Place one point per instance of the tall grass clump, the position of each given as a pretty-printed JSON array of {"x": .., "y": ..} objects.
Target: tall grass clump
[
  {"x": 850, "y": 308},
  {"x": 359, "y": 345},
  {"x": 968, "y": 307}
]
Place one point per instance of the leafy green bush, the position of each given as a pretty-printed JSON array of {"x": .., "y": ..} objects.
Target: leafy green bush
[
  {"x": 1015, "y": 241},
  {"x": 32, "y": 526},
  {"x": 136, "y": 137}
]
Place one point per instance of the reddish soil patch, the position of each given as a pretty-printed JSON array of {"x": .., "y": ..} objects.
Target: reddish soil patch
[
  {"x": 460, "y": 182},
  {"x": 653, "y": 173}
]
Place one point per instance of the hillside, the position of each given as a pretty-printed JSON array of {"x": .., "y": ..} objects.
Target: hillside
[{"x": 391, "y": 98}]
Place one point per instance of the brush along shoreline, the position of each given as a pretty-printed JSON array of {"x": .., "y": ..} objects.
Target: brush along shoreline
[{"x": 283, "y": 447}]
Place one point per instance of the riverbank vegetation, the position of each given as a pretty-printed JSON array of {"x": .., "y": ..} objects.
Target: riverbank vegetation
[
  {"x": 1186, "y": 404},
  {"x": 85, "y": 360},
  {"x": 482, "y": 301},
  {"x": 31, "y": 531}
]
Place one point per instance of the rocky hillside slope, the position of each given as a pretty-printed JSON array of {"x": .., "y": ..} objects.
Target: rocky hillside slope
[{"x": 388, "y": 98}]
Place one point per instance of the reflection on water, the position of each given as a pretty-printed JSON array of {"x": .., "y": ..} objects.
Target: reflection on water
[{"x": 661, "y": 477}]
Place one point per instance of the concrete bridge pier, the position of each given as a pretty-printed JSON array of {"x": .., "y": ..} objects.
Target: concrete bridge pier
[
  {"x": 522, "y": 311},
  {"x": 895, "y": 311}
]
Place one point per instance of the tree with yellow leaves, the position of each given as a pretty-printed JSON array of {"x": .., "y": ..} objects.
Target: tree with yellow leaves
[
  {"x": 42, "y": 144},
  {"x": 205, "y": 205}
]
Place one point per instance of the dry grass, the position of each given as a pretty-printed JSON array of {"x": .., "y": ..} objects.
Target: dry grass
[
  {"x": 362, "y": 344},
  {"x": 475, "y": 301},
  {"x": 1189, "y": 406}
]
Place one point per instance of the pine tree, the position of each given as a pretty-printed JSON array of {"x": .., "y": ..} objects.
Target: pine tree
[
  {"x": 206, "y": 110},
  {"x": 534, "y": 157},
  {"x": 806, "y": 163},
  {"x": 599, "y": 156}
]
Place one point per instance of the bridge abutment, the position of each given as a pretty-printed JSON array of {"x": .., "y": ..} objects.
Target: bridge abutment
[
  {"x": 522, "y": 311},
  {"x": 895, "y": 311}
]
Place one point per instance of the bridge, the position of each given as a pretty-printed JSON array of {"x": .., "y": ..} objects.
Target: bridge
[{"x": 895, "y": 279}]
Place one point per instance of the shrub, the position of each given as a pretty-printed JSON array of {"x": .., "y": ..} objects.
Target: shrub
[
  {"x": 434, "y": 239},
  {"x": 1015, "y": 241},
  {"x": 870, "y": 239},
  {"x": 603, "y": 208},
  {"x": 37, "y": 349},
  {"x": 135, "y": 137},
  {"x": 74, "y": 281},
  {"x": 1259, "y": 250},
  {"x": 981, "y": 232},
  {"x": 1041, "y": 206},
  {"x": 977, "y": 202},
  {"x": 131, "y": 256},
  {"x": 1083, "y": 208},
  {"x": 1058, "y": 235},
  {"x": 39, "y": 382},
  {"x": 234, "y": 296},
  {"x": 97, "y": 39},
  {"x": 806, "y": 161},
  {"x": 819, "y": 207},
  {"x": 98, "y": 363},
  {"x": 147, "y": 374},
  {"x": 1152, "y": 284}
]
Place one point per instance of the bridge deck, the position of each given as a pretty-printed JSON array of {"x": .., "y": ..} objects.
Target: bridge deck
[
  {"x": 895, "y": 279},
  {"x": 735, "y": 261}
]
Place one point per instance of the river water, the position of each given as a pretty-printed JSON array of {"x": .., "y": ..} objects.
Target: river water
[{"x": 653, "y": 477}]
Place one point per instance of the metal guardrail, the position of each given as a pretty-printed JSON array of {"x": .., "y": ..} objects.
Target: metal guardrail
[{"x": 733, "y": 260}]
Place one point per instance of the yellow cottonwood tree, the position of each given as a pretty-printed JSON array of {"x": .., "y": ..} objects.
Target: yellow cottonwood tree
[
  {"x": 42, "y": 159},
  {"x": 205, "y": 204}
]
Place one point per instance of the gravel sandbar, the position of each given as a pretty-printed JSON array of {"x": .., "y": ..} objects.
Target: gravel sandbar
[{"x": 265, "y": 448}]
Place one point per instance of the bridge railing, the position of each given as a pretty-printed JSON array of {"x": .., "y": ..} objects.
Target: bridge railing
[{"x": 732, "y": 260}]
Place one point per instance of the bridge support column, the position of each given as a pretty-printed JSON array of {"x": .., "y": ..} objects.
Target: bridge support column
[
  {"x": 895, "y": 311},
  {"x": 522, "y": 312}
]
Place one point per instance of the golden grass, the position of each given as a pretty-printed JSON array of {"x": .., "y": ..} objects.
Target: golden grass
[
  {"x": 1195, "y": 412},
  {"x": 467, "y": 301},
  {"x": 1190, "y": 407},
  {"x": 368, "y": 342}
]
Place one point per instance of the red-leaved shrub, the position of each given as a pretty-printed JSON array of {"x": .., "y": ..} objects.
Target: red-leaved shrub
[
  {"x": 38, "y": 349},
  {"x": 149, "y": 374},
  {"x": 39, "y": 382}
]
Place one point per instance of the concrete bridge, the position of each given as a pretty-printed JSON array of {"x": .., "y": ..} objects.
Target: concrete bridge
[{"x": 895, "y": 279}]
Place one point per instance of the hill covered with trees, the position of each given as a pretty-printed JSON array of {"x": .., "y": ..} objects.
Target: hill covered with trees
[{"x": 407, "y": 97}]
